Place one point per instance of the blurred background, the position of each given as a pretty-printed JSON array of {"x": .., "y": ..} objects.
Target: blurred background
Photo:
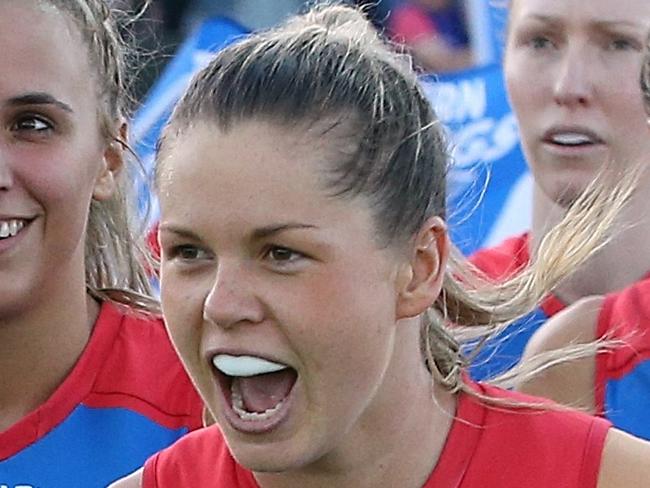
[{"x": 442, "y": 35}]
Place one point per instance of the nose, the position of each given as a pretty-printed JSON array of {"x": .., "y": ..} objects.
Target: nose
[
  {"x": 574, "y": 81},
  {"x": 232, "y": 299}
]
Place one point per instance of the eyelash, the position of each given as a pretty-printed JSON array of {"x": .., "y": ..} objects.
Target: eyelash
[
  {"x": 34, "y": 120},
  {"x": 279, "y": 258},
  {"x": 177, "y": 252},
  {"x": 539, "y": 42},
  {"x": 293, "y": 256},
  {"x": 615, "y": 45}
]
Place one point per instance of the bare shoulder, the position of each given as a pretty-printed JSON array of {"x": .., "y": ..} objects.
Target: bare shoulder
[
  {"x": 575, "y": 324},
  {"x": 569, "y": 382},
  {"x": 626, "y": 461},
  {"x": 134, "y": 480}
]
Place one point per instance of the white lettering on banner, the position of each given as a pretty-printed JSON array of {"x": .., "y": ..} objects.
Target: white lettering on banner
[
  {"x": 480, "y": 138},
  {"x": 457, "y": 102},
  {"x": 485, "y": 140},
  {"x": 477, "y": 145},
  {"x": 17, "y": 486}
]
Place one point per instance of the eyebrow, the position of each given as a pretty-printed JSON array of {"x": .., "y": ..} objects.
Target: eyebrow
[
  {"x": 613, "y": 24},
  {"x": 39, "y": 98},
  {"x": 257, "y": 234},
  {"x": 603, "y": 24},
  {"x": 180, "y": 231},
  {"x": 270, "y": 230},
  {"x": 545, "y": 19}
]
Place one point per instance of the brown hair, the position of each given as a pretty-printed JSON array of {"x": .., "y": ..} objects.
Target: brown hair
[{"x": 330, "y": 64}]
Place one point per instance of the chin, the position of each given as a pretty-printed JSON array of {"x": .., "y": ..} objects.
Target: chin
[
  {"x": 270, "y": 458},
  {"x": 568, "y": 197},
  {"x": 564, "y": 191}
]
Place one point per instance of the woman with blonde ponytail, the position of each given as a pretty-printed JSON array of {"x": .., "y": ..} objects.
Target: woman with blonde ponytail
[
  {"x": 90, "y": 385},
  {"x": 611, "y": 381},
  {"x": 560, "y": 60},
  {"x": 308, "y": 288}
]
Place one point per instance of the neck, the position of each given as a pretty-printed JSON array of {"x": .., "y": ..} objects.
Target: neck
[
  {"x": 618, "y": 264},
  {"x": 40, "y": 345},
  {"x": 398, "y": 440}
]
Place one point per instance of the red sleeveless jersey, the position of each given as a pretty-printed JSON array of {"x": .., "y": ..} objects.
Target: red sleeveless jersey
[
  {"x": 507, "y": 259},
  {"x": 126, "y": 398},
  {"x": 623, "y": 374},
  {"x": 487, "y": 447}
]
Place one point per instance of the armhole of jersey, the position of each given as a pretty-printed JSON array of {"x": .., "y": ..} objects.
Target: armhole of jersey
[
  {"x": 593, "y": 453},
  {"x": 149, "y": 477},
  {"x": 602, "y": 359}
]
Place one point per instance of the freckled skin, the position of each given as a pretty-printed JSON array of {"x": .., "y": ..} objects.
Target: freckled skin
[{"x": 328, "y": 308}]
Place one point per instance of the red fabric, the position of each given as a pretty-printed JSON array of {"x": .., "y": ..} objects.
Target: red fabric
[
  {"x": 486, "y": 447},
  {"x": 504, "y": 260},
  {"x": 153, "y": 242},
  {"x": 507, "y": 259},
  {"x": 199, "y": 459},
  {"x": 410, "y": 23},
  {"x": 514, "y": 448},
  {"x": 625, "y": 315},
  {"x": 129, "y": 362}
]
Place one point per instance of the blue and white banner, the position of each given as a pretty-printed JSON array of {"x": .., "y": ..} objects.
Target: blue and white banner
[{"x": 489, "y": 187}]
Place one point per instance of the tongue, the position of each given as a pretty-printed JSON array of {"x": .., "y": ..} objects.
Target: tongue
[{"x": 265, "y": 391}]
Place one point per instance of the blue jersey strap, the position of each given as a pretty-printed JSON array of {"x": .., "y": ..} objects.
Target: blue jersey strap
[{"x": 504, "y": 351}]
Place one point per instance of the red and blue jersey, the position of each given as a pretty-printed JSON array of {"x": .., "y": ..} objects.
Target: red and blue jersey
[
  {"x": 622, "y": 382},
  {"x": 623, "y": 374},
  {"x": 126, "y": 398},
  {"x": 505, "y": 350},
  {"x": 491, "y": 447}
]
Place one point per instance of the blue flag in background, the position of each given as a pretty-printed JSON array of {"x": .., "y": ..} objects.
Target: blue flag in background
[{"x": 489, "y": 187}]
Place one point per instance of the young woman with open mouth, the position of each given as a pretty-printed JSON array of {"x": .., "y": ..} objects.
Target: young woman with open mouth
[
  {"x": 307, "y": 285},
  {"x": 90, "y": 385}
]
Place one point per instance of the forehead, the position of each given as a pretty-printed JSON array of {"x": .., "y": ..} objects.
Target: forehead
[
  {"x": 253, "y": 172},
  {"x": 624, "y": 11},
  {"x": 251, "y": 153},
  {"x": 41, "y": 50}
]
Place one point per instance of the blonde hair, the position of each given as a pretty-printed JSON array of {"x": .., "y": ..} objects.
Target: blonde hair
[
  {"x": 474, "y": 308},
  {"x": 115, "y": 260},
  {"x": 330, "y": 64}
]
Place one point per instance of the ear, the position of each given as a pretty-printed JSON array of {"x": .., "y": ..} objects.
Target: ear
[
  {"x": 421, "y": 279},
  {"x": 112, "y": 164}
]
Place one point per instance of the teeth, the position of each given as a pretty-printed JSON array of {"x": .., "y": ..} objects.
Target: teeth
[
  {"x": 571, "y": 139},
  {"x": 239, "y": 408},
  {"x": 245, "y": 365},
  {"x": 9, "y": 228}
]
